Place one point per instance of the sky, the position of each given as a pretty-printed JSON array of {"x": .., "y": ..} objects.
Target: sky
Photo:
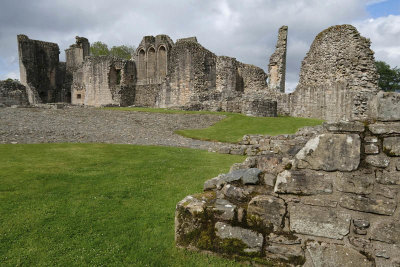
[{"x": 244, "y": 29}]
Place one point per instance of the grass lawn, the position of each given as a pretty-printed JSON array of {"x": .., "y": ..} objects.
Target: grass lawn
[
  {"x": 99, "y": 204},
  {"x": 232, "y": 128}
]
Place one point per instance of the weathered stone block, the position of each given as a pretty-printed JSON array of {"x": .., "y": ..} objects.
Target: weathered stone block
[
  {"x": 332, "y": 255},
  {"x": 380, "y": 161},
  {"x": 285, "y": 252},
  {"x": 268, "y": 210},
  {"x": 252, "y": 239},
  {"x": 319, "y": 221},
  {"x": 303, "y": 182},
  {"x": 376, "y": 204},
  {"x": 386, "y": 106},
  {"x": 224, "y": 210},
  {"x": 234, "y": 192},
  {"x": 330, "y": 152},
  {"x": 388, "y": 178},
  {"x": 386, "y": 231},
  {"x": 371, "y": 149},
  {"x": 345, "y": 126},
  {"x": 385, "y": 128},
  {"x": 358, "y": 182},
  {"x": 391, "y": 146}
]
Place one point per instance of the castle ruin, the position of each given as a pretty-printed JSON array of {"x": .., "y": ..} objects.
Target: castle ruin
[{"x": 337, "y": 77}]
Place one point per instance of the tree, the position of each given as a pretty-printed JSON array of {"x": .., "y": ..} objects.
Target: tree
[
  {"x": 122, "y": 51},
  {"x": 389, "y": 79},
  {"x": 99, "y": 49}
]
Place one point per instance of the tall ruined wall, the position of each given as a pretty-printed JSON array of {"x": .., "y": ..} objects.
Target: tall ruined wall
[
  {"x": 38, "y": 63},
  {"x": 76, "y": 53},
  {"x": 326, "y": 196},
  {"x": 104, "y": 81},
  {"x": 12, "y": 93},
  {"x": 337, "y": 77},
  {"x": 277, "y": 63}
]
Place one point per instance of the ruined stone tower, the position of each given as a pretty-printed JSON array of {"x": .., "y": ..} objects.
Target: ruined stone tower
[{"x": 277, "y": 63}]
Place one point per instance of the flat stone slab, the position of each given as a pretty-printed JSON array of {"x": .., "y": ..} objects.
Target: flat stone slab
[
  {"x": 358, "y": 182},
  {"x": 385, "y": 128},
  {"x": 319, "y": 221},
  {"x": 269, "y": 209},
  {"x": 304, "y": 182},
  {"x": 388, "y": 178},
  {"x": 330, "y": 152},
  {"x": 344, "y": 126},
  {"x": 391, "y": 146},
  {"x": 374, "y": 204},
  {"x": 224, "y": 210},
  {"x": 386, "y": 231},
  {"x": 252, "y": 239},
  {"x": 380, "y": 160},
  {"x": 332, "y": 255}
]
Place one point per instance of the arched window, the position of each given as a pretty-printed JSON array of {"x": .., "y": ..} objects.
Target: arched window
[
  {"x": 151, "y": 63},
  {"x": 142, "y": 65},
  {"x": 162, "y": 62}
]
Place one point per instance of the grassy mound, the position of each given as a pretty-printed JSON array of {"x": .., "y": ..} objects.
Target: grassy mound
[{"x": 98, "y": 204}]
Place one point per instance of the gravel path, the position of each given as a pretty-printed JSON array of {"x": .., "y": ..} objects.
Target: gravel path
[{"x": 88, "y": 125}]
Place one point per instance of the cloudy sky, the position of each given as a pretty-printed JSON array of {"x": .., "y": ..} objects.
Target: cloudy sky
[{"x": 244, "y": 29}]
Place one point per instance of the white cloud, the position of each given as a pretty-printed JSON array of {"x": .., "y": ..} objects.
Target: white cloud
[
  {"x": 384, "y": 33},
  {"x": 9, "y": 75}
]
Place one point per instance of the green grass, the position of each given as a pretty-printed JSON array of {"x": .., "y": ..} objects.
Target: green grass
[
  {"x": 232, "y": 128},
  {"x": 98, "y": 204}
]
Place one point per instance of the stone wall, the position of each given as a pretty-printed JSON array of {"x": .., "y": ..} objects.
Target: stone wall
[
  {"x": 277, "y": 63},
  {"x": 103, "y": 81},
  {"x": 12, "y": 93},
  {"x": 337, "y": 77},
  {"x": 323, "y": 197},
  {"x": 38, "y": 63}
]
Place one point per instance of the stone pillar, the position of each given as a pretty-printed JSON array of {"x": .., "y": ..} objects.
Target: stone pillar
[{"x": 277, "y": 63}]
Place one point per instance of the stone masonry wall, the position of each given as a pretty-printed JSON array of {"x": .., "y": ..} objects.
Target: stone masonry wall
[
  {"x": 38, "y": 63},
  {"x": 277, "y": 63},
  {"x": 327, "y": 196},
  {"x": 104, "y": 81},
  {"x": 13, "y": 93},
  {"x": 337, "y": 77}
]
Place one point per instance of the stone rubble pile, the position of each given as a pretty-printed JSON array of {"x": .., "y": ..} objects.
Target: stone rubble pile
[{"x": 328, "y": 198}]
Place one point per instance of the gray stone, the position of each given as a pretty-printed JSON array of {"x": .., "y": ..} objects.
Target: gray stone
[
  {"x": 234, "y": 175},
  {"x": 388, "y": 178},
  {"x": 386, "y": 106},
  {"x": 358, "y": 182},
  {"x": 224, "y": 150},
  {"x": 344, "y": 126},
  {"x": 284, "y": 238},
  {"x": 330, "y": 152},
  {"x": 303, "y": 182},
  {"x": 385, "y": 191},
  {"x": 234, "y": 192},
  {"x": 319, "y": 201},
  {"x": 391, "y": 146},
  {"x": 361, "y": 223},
  {"x": 371, "y": 139},
  {"x": 319, "y": 221},
  {"x": 376, "y": 204},
  {"x": 224, "y": 210},
  {"x": 385, "y": 128},
  {"x": 371, "y": 149},
  {"x": 238, "y": 150},
  {"x": 380, "y": 161},
  {"x": 251, "y": 176},
  {"x": 332, "y": 255},
  {"x": 252, "y": 239},
  {"x": 285, "y": 252},
  {"x": 360, "y": 231},
  {"x": 213, "y": 183},
  {"x": 386, "y": 231},
  {"x": 268, "y": 210},
  {"x": 269, "y": 179}
]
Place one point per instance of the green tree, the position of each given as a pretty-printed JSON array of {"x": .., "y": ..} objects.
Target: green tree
[
  {"x": 122, "y": 51},
  {"x": 389, "y": 79},
  {"x": 99, "y": 49}
]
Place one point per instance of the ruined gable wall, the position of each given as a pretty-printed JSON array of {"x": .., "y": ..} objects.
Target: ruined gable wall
[
  {"x": 277, "y": 63},
  {"x": 337, "y": 77},
  {"x": 38, "y": 63}
]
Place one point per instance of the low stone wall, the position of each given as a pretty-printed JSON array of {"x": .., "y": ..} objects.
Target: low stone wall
[{"x": 323, "y": 197}]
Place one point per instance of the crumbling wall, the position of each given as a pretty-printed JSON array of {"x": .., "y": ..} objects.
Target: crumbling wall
[
  {"x": 13, "y": 93},
  {"x": 337, "y": 77},
  {"x": 277, "y": 63},
  {"x": 38, "y": 63},
  {"x": 104, "y": 81},
  {"x": 326, "y": 196}
]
